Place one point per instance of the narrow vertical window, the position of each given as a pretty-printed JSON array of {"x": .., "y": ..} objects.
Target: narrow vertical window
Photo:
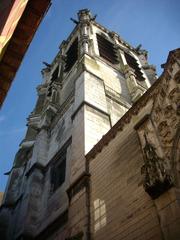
[
  {"x": 58, "y": 172},
  {"x": 107, "y": 49},
  {"x": 71, "y": 55},
  {"x": 132, "y": 62}
]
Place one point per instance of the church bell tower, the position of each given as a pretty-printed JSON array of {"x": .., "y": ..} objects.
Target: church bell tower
[{"x": 92, "y": 82}]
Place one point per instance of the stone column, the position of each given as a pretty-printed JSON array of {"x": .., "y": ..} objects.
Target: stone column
[
  {"x": 84, "y": 39},
  {"x": 84, "y": 20}
]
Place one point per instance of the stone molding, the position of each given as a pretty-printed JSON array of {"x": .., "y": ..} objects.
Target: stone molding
[
  {"x": 80, "y": 183},
  {"x": 91, "y": 106}
]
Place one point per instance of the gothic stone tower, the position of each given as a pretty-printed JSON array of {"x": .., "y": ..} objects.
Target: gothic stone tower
[{"x": 94, "y": 79}]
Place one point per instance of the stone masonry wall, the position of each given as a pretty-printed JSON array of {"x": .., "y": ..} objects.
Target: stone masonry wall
[
  {"x": 135, "y": 175},
  {"x": 120, "y": 208}
]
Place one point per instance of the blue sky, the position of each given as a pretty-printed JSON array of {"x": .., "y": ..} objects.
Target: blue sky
[{"x": 154, "y": 24}]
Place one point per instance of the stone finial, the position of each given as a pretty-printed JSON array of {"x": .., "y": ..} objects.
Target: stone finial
[
  {"x": 142, "y": 52},
  {"x": 84, "y": 15}
]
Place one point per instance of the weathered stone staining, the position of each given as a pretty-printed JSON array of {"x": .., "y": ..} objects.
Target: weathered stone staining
[{"x": 100, "y": 159}]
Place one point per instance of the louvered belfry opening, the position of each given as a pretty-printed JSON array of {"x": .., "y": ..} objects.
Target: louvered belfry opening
[
  {"x": 71, "y": 55},
  {"x": 107, "y": 49},
  {"x": 132, "y": 62}
]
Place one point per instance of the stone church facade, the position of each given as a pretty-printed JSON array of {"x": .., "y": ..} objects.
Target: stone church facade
[{"x": 100, "y": 159}]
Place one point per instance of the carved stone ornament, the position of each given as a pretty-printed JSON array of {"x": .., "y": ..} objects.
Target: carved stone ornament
[
  {"x": 48, "y": 115},
  {"x": 159, "y": 130},
  {"x": 156, "y": 178},
  {"x": 156, "y": 170},
  {"x": 165, "y": 111}
]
